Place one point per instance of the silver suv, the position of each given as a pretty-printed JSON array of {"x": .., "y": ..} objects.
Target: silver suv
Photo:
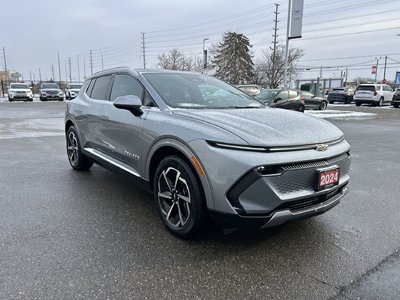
[
  {"x": 375, "y": 94},
  {"x": 205, "y": 149}
]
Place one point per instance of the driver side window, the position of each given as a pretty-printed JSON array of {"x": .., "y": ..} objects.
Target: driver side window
[{"x": 126, "y": 85}]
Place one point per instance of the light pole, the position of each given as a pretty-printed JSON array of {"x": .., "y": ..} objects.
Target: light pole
[
  {"x": 205, "y": 53},
  {"x": 377, "y": 64}
]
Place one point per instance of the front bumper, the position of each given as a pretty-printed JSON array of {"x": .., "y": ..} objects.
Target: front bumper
[
  {"x": 254, "y": 188},
  {"x": 279, "y": 216}
]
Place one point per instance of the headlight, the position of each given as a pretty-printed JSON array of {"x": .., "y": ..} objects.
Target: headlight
[{"x": 60, "y": 94}]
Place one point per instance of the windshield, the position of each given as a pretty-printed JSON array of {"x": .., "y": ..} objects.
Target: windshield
[
  {"x": 49, "y": 86},
  {"x": 198, "y": 91},
  {"x": 19, "y": 86},
  {"x": 267, "y": 95},
  {"x": 75, "y": 86}
]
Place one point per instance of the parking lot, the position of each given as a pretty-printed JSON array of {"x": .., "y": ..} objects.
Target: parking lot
[{"x": 73, "y": 235}]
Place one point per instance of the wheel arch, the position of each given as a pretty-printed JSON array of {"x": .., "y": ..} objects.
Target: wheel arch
[{"x": 168, "y": 147}]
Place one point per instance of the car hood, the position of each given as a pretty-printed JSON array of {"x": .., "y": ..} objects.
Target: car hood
[
  {"x": 20, "y": 90},
  {"x": 51, "y": 90},
  {"x": 268, "y": 127}
]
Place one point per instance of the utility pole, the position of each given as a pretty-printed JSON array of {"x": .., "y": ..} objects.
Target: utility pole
[
  {"x": 91, "y": 61},
  {"x": 40, "y": 75},
  {"x": 84, "y": 69},
  {"x": 5, "y": 66},
  {"x": 79, "y": 72},
  {"x": 274, "y": 43},
  {"x": 320, "y": 72},
  {"x": 287, "y": 46},
  {"x": 69, "y": 67},
  {"x": 102, "y": 61},
  {"x": 59, "y": 67},
  {"x": 52, "y": 73},
  {"x": 377, "y": 64},
  {"x": 144, "y": 50},
  {"x": 384, "y": 68}
]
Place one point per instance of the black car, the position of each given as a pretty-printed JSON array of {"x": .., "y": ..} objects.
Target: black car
[
  {"x": 282, "y": 98},
  {"x": 396, "y": 98},
  {"x": 343, "y": 94},
  {"x": 313, "y": 102}
]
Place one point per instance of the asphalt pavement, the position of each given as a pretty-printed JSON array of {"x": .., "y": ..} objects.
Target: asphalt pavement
[{"x": 93, "y": 235}]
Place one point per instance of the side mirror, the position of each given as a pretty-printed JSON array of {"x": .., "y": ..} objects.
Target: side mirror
[
  {"x": 129, "y": 102},
  {"x": 277, "y": 99}
]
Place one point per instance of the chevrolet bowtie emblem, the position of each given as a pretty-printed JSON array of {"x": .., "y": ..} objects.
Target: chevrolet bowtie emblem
[{"x": 321, "y": 147}]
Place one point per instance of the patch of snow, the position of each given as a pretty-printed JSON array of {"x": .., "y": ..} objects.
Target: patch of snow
[{"x": 345, "y": 115}]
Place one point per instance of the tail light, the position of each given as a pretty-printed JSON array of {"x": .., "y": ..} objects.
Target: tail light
[
  {"x": 302, "y": 99},
  {"x": 375, "y": 93}
]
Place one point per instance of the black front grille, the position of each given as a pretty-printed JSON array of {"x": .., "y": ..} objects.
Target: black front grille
[
  {"x": 309, "y": 202},
  {"x": 315, "y": 164}
]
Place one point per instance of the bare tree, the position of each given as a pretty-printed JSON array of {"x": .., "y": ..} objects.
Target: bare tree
[
  {"x": 176, "y": 60},
  {"x": 269, "y": 70}
]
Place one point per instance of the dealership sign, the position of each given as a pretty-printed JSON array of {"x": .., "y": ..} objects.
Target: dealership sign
[
  {"x": 296, "y": 19},
  {"x": 373, "y": 71},
  {"x": 397, "y": 78}
]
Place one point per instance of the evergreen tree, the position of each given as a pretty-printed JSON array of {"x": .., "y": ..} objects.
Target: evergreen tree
[{"x": 233, "y": 60}]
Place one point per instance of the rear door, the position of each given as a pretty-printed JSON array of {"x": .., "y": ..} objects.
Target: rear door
[{"x": 281, "y": 100}]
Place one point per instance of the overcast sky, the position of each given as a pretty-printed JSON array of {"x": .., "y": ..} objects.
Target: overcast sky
[{"x": 336, "y": 33}]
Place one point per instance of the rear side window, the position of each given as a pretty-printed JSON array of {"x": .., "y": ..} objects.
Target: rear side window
[
  {"x": 284, "y": 95},
  {"x": 101, "y": 88},
  {"x": 366, "y": 88},
  {"x": 292, "y": 94},
  {"x": 90, "y": 87}
]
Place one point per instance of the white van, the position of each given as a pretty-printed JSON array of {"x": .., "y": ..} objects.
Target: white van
[{"x": 375, "y": 94}]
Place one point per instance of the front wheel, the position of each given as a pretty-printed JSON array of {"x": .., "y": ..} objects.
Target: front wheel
[
  {"x": 323, "y": 105},
  {"x": 358, "y": 103},
  {"x": 380, "y": 102},
  {"x": 179, "y": 197},
  {"x": 77, "y": 159},
  {"x": 301, "y": 108},
  {"x": 396, "y": 105}
]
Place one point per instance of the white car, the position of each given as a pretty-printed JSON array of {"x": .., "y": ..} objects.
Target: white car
[
  {"x": 375, "y": 94},
  {"x": 19, "y": 91},
  {"x": 72, "y": 90}
]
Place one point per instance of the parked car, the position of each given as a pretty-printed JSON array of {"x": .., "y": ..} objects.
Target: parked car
[
  {"x": 187, "y": 147},
  {"x": 251, "y": 89},
  {"x": 51, "y": 91},
  {"x": 343, "y": 94},
  {"x": 313, "y": 102},
  {"x": 396, "y": 98},
  {"x": 19, "y": 91},
  {"x": 374, "y": 94},
  {"x": 278, "y": 98},
  {"x": 72, "y": 90}
]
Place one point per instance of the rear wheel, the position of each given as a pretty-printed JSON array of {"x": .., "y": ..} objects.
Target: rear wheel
[
  {"x": 301, "y": 108},
  {"x": 323, "y": 105},
  {"x": 179, "y": 197},
  {"x": 380, "y": 102},
  {"x": 396, "y": 105},
  {"x": 77, "y": 159},
  {"x": 331, "y": 102},
  {"x": 358, "y": 103}
]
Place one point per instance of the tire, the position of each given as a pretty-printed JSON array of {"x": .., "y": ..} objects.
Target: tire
[
  {"x": 380, "y": 102},
  {"x": 76, "y": 158},
  {"x": 396, "y": 105},
  {"x": 323, "y": 105},
  {"x": 179, "y": 197},
  {"x": 301, "y": 108},
  {"x": 42, "y": 99},
  {"x": 10, "y": 99},
  {"x": 358, "y": 103},
  {"x": 331, "y": 102}
]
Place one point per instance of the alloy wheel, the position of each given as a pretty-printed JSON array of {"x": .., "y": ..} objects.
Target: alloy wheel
[
  {"x": 174, "y": 197},
  {"x": 72, "y": 148}
]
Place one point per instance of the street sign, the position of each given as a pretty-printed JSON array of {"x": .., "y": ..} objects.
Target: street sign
[
  {"x": 15, "y": 75},
  {"x": 373, "y": 71},
  {"x": 384, "y": 81}
]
